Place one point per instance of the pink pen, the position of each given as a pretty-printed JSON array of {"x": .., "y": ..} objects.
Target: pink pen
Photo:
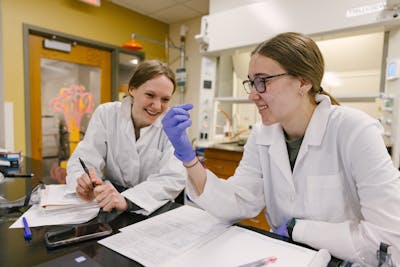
[{"x": 260, "y": 263}]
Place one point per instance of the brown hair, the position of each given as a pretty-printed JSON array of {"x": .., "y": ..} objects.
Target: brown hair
[
  {"x": 300, "y": 56},
  {"x": 149, "y": 69}
]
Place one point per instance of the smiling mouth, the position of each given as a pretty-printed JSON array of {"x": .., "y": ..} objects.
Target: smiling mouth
[
  {"x": 262, "y": 107},
  {"x": 152, "y": 113}
]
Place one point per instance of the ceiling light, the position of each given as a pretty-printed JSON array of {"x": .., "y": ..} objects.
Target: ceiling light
[{"x": 132, "y": 44}]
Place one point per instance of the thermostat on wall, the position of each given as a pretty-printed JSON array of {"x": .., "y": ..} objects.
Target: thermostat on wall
[{"x": 393, "y": 69}]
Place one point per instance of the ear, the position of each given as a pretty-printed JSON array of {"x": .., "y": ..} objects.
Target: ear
[
  {"x": 305, "y": 86},
  {"x": 131, "y": 91}
]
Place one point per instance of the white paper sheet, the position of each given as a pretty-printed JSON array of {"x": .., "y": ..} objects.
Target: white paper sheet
[
  {"x": 58, "y": 208},
  {"x": 37, "y": 217},
  {"x": 54, "y": 195},
  {"x": 240, "y": 246},
  {"x": 188, "y": 236},
  {"x": 159, "y": 239}
]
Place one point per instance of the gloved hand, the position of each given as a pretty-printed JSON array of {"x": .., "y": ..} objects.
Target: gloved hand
[
  {"x": 286, "y": 229},
  {"x": 282, "y": 230},
  {"x": 175, "y": 123}
]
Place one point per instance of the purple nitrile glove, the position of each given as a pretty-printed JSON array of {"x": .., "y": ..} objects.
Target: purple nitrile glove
[
  {"x": 282, "y": 230},
  {"x": 175, "y": 123}
]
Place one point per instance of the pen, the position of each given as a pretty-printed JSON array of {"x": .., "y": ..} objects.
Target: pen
[
  {"x": 259, "y": 263},
  {"x": 86, "y": 170},
  {"x": 27, "y": 230},
  {"x": 11, "y": 175}
]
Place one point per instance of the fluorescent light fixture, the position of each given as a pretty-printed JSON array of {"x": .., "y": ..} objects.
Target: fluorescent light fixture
[
  {"x": 92, "y": 2},
  {"x": 134, "y": 61},
  {"x": 364, "y": 10}
]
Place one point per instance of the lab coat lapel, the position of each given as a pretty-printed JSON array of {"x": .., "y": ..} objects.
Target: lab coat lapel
[
  {"x": 316, "y": 128},
  {"x": 273, "y": 137},
  {"x": 128, "y": 157}
]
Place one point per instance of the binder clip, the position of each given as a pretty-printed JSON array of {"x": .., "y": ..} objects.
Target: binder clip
[{"x": 384, "y": 257}]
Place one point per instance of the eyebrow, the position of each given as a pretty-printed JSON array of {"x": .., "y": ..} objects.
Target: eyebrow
[{"x": 260, "y": 74}]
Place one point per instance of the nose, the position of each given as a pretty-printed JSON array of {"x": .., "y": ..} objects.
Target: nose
[
  {"x": 157, "y": 104},
  {"x": 253, "y": 95}
]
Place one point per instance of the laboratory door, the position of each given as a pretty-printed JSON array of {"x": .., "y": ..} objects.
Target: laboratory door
[{"x": 67, "y": 82}]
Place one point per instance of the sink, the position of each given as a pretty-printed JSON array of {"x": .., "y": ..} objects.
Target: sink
[
  {"x": 230, "y": 145},
  {"x": 240, "y": 142}
]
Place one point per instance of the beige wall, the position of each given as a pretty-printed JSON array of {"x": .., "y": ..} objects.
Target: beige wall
[{"x": 109, "y": 24}]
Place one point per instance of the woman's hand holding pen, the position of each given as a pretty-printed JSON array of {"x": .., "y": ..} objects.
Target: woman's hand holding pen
[
  {"x": 85, "y": 185},
  {"x": 109, "y": 198},
  {"x": 89, "y": 188}
]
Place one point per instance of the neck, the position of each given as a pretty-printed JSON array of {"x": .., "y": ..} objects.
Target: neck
[
  {"x": 136, "y": 128},
  {"x": 296, "y": 127}
]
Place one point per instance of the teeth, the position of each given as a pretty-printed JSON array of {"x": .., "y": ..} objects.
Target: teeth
[
  {"x": 152, "y": 113},
  {"x": 262, "y": 107}
]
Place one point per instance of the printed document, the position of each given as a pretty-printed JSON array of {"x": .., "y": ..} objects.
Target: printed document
[
  {"x": 159, "y": 239},
  {"x": 189, "y": 236}
]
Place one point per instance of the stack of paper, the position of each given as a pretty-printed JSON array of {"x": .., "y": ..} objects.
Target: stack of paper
[
  {"x": 54, "y": 199},
  {"x": 188, "y": 236},
  {"x": 58, "y": 208},
  {"x": 159, "y": 239}
]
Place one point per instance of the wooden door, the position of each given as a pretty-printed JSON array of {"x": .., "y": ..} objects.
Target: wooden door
[{"x": 95, "y": 62}]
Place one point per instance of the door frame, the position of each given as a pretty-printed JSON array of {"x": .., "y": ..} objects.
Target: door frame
[{"x": 31, "y": 29}]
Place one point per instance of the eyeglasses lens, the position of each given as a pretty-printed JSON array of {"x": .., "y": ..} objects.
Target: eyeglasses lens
[{"x": 259, "y": 84}]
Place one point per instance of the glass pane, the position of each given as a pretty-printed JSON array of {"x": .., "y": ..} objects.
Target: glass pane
[
  {"x": 127, "y": 64},
  {"x": 70, "y": 92}
]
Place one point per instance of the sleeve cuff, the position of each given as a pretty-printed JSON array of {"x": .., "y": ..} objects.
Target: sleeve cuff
[{"x": 298, "y": 230}]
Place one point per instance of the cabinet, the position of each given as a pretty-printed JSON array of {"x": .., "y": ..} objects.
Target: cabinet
[{"x": 223, "y": 163}]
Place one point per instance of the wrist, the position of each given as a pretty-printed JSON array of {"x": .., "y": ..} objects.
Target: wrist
[
  {"x": 290, "y": 226},
  {"x": 192, "y": 163},
  {"x": 187, "y": 156}
]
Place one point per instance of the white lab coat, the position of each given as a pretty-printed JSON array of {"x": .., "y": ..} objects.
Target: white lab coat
[
  {"x": 344, "y": 187},
  {"x": 146, "y": 166}
]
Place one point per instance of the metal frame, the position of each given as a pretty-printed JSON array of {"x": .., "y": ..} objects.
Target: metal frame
[{"x": 115, "y": 50}]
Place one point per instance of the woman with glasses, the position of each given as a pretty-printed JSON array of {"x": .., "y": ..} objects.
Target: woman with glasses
[{"x": 321, "y": 170}]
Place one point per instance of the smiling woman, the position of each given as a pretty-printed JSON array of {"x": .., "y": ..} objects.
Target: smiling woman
[
  {"x": 150, "y": 88},
  {"x": 126, "y": 145}
]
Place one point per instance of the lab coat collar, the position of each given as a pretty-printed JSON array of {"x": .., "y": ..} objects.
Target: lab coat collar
[
  {"x": 315, "y": 130},
  {"x": 273, "y": 136},
  {"x": 319, "y": 120},
  {"x": 316, "y": 127}
]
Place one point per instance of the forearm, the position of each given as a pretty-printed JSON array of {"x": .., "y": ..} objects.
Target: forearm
[
  {"x": 197, "y": 175},
  {"x": 345, "y": 240}
]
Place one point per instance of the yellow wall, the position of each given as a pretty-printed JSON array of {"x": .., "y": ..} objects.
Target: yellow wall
[{"x": 109, "y": 24}]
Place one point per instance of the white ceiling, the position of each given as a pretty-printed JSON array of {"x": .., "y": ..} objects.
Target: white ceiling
[{"x": 167, "y": 11}]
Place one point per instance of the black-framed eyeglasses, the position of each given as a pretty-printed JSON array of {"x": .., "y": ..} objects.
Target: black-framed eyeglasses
[{"x": 259, "y": 83}]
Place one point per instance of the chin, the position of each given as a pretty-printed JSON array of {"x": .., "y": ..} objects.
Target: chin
[
  {"x": 268, "y": 122},
  {"x": 151, "y": 119}
]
